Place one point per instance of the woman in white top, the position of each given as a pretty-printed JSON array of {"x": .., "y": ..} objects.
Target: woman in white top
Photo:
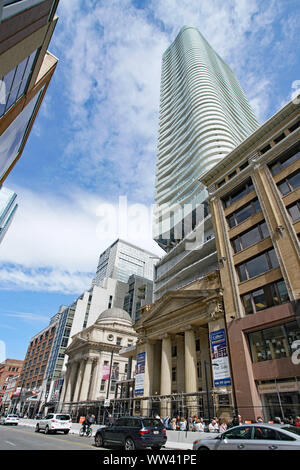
[
  {"x": 198, "y": 425},
  {"x": 213, "y": 426}
]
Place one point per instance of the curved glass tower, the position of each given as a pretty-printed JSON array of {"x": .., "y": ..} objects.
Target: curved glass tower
[{"x": 204, "y": 114}]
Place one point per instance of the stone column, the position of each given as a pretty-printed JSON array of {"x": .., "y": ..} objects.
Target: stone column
[
  {"x": 191, "y": 379},
  {"x": 71, "y": 382},
  {"x": 66, "y": 383},
  {"x": 95, "y": 386},
  {"x": 86, "y": 380},
  {"x": 166, "y": 366},
  {"x": 79, "y": 381},
  {"x": 166, "y": 374}
]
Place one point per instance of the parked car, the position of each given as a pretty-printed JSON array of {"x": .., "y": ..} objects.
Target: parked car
[
  {"x": 253, "y": 437},
  {"x": 54, "y": 422},
  {"x": 10, "y": 419},
  {"x": 132, "y": 433}
]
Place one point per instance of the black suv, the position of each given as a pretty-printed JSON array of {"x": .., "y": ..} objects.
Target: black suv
[{"x": 132, "y": 433}]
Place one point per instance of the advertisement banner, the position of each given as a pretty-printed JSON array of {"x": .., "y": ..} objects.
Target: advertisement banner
[
  {"x": 219, "y": 358},
  {"x": 140, "y": 374},
  {"x": 105, "y": 371}
]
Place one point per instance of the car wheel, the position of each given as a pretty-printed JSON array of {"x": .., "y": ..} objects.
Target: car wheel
[
  {"x": 99, "y": 440},
  {"x": 203, "y": 448},
  {"x": 66, "y": 432},
  {"x": 37, "y": 428},
  {"x": 129, "y": 444},
  {"x": 47, "y": 430},
  {"x": 156, "y": 447}
]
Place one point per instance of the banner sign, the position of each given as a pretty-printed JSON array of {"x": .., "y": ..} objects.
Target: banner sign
[
  {"x": 105, "y": 371},
  {"x": 140, "y": 374},
  {"x": 219, "y": 358}
]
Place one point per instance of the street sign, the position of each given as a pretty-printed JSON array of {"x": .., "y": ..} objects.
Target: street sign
[{"x": 107, "y": 402}]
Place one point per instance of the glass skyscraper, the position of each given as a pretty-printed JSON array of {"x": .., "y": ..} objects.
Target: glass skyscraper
[
  {"x": 204, "y": 115},
  {"x": 8, "y": 207}
]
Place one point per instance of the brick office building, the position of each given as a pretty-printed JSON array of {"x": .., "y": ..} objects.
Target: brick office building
[
  {"x": 254, "y": 194},
  {"x": 8, "y": 369},
  {"x": 33, "y": 373}
]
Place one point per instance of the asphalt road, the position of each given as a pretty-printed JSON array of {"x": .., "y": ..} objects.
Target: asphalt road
[{"x": 24, "y": 438}]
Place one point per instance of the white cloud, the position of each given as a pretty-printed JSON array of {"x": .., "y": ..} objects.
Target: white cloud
[{"x": 54, "y": 241}]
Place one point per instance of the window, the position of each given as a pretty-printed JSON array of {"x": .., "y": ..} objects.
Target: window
[
  {"x": 265, "y": 433},
  {"x": 13, "y": 84},
  {"x": 265, "y": 297},
  {"x": 290, "y": 183},
  {"x": 173, "y": 374},
  {"x": 273, "y": 343},
  {"x": 238, "y": 193},
  {"x": 294, "y": 211},
  {"x": 119, "y": 341},
  {"x": 285, "y": 160},
  {"x": 174, "y": 351},
  {"x": 250, "y": 237},
  {"x": 258, "y": 265},
  {"x": 241, "y": 432},
  {"x": 243, "y": 213}
]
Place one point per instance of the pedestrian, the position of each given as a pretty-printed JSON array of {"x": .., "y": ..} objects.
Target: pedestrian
[
  {"x": 235, "y": 421},
  {"x": 173, "y": 424},
  {"x": 259, "y": 419},
  {"x": 213, "y": 426},
  {"x": 166, "y": 422},
  {"x": 297, "y": 422},
  {"x": 199, "y": 425},
  {"x": 223, "y": 424},
  {"x": 183, "y": 424}
]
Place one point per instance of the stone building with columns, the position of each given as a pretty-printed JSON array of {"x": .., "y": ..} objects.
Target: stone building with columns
[
  {"x": 94, "y": 364},
  {"x": 175, "y": 338}
]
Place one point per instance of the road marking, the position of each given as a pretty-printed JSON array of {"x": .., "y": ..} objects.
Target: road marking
[
  {"x": 11, "y": 443},
  {"x": 57, "y": 439}
]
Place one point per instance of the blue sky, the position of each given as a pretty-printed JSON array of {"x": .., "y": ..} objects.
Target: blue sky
[{"x": 95, "y": 136}]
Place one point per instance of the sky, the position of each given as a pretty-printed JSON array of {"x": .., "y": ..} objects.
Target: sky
[{"x": 95, "y": 138}]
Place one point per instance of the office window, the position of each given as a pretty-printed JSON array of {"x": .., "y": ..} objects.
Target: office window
[
  {"x": 273, "y": 343},
  {"x": 258, "y": 265},
  {"x": 285, "y": 160},
  {"x": 250, "y": 237},
  {"x": 238, "y": 193},
  {"x": 267, "y": 296},
  {"x": 294, "y": 211},
  {"x": 243, "y": 213},
  {"x": 290, "y": 183}
]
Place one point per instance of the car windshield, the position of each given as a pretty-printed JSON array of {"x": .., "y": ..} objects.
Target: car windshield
[
  {"x": 12, "y": 416},
  {"x": 151, "y": 423},
  {"x": 292, "y": 429},
  {"x": 63, "y": 417}
]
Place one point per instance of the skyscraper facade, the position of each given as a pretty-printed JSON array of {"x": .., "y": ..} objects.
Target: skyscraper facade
[
  {"x": 204, "y": 115},
  {"x": 122, "y": 259},
  {"x": 8, "y": 207}
]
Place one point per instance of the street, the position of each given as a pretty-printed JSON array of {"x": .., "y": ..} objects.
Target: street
[{"x": 24, "y": 438}]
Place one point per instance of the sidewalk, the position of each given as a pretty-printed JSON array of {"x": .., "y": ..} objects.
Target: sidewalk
[{"x": 181, "y": 440}]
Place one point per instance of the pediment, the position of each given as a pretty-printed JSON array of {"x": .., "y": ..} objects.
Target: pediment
[
  {"x": 176, "y": 302},
  {"x": 76, "y": 343}
]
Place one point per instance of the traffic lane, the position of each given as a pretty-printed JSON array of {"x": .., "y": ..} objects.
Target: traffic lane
[{"x": 23, "y": 438}]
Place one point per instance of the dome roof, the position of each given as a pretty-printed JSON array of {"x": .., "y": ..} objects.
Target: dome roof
[{"x": 114, "y": 313}]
